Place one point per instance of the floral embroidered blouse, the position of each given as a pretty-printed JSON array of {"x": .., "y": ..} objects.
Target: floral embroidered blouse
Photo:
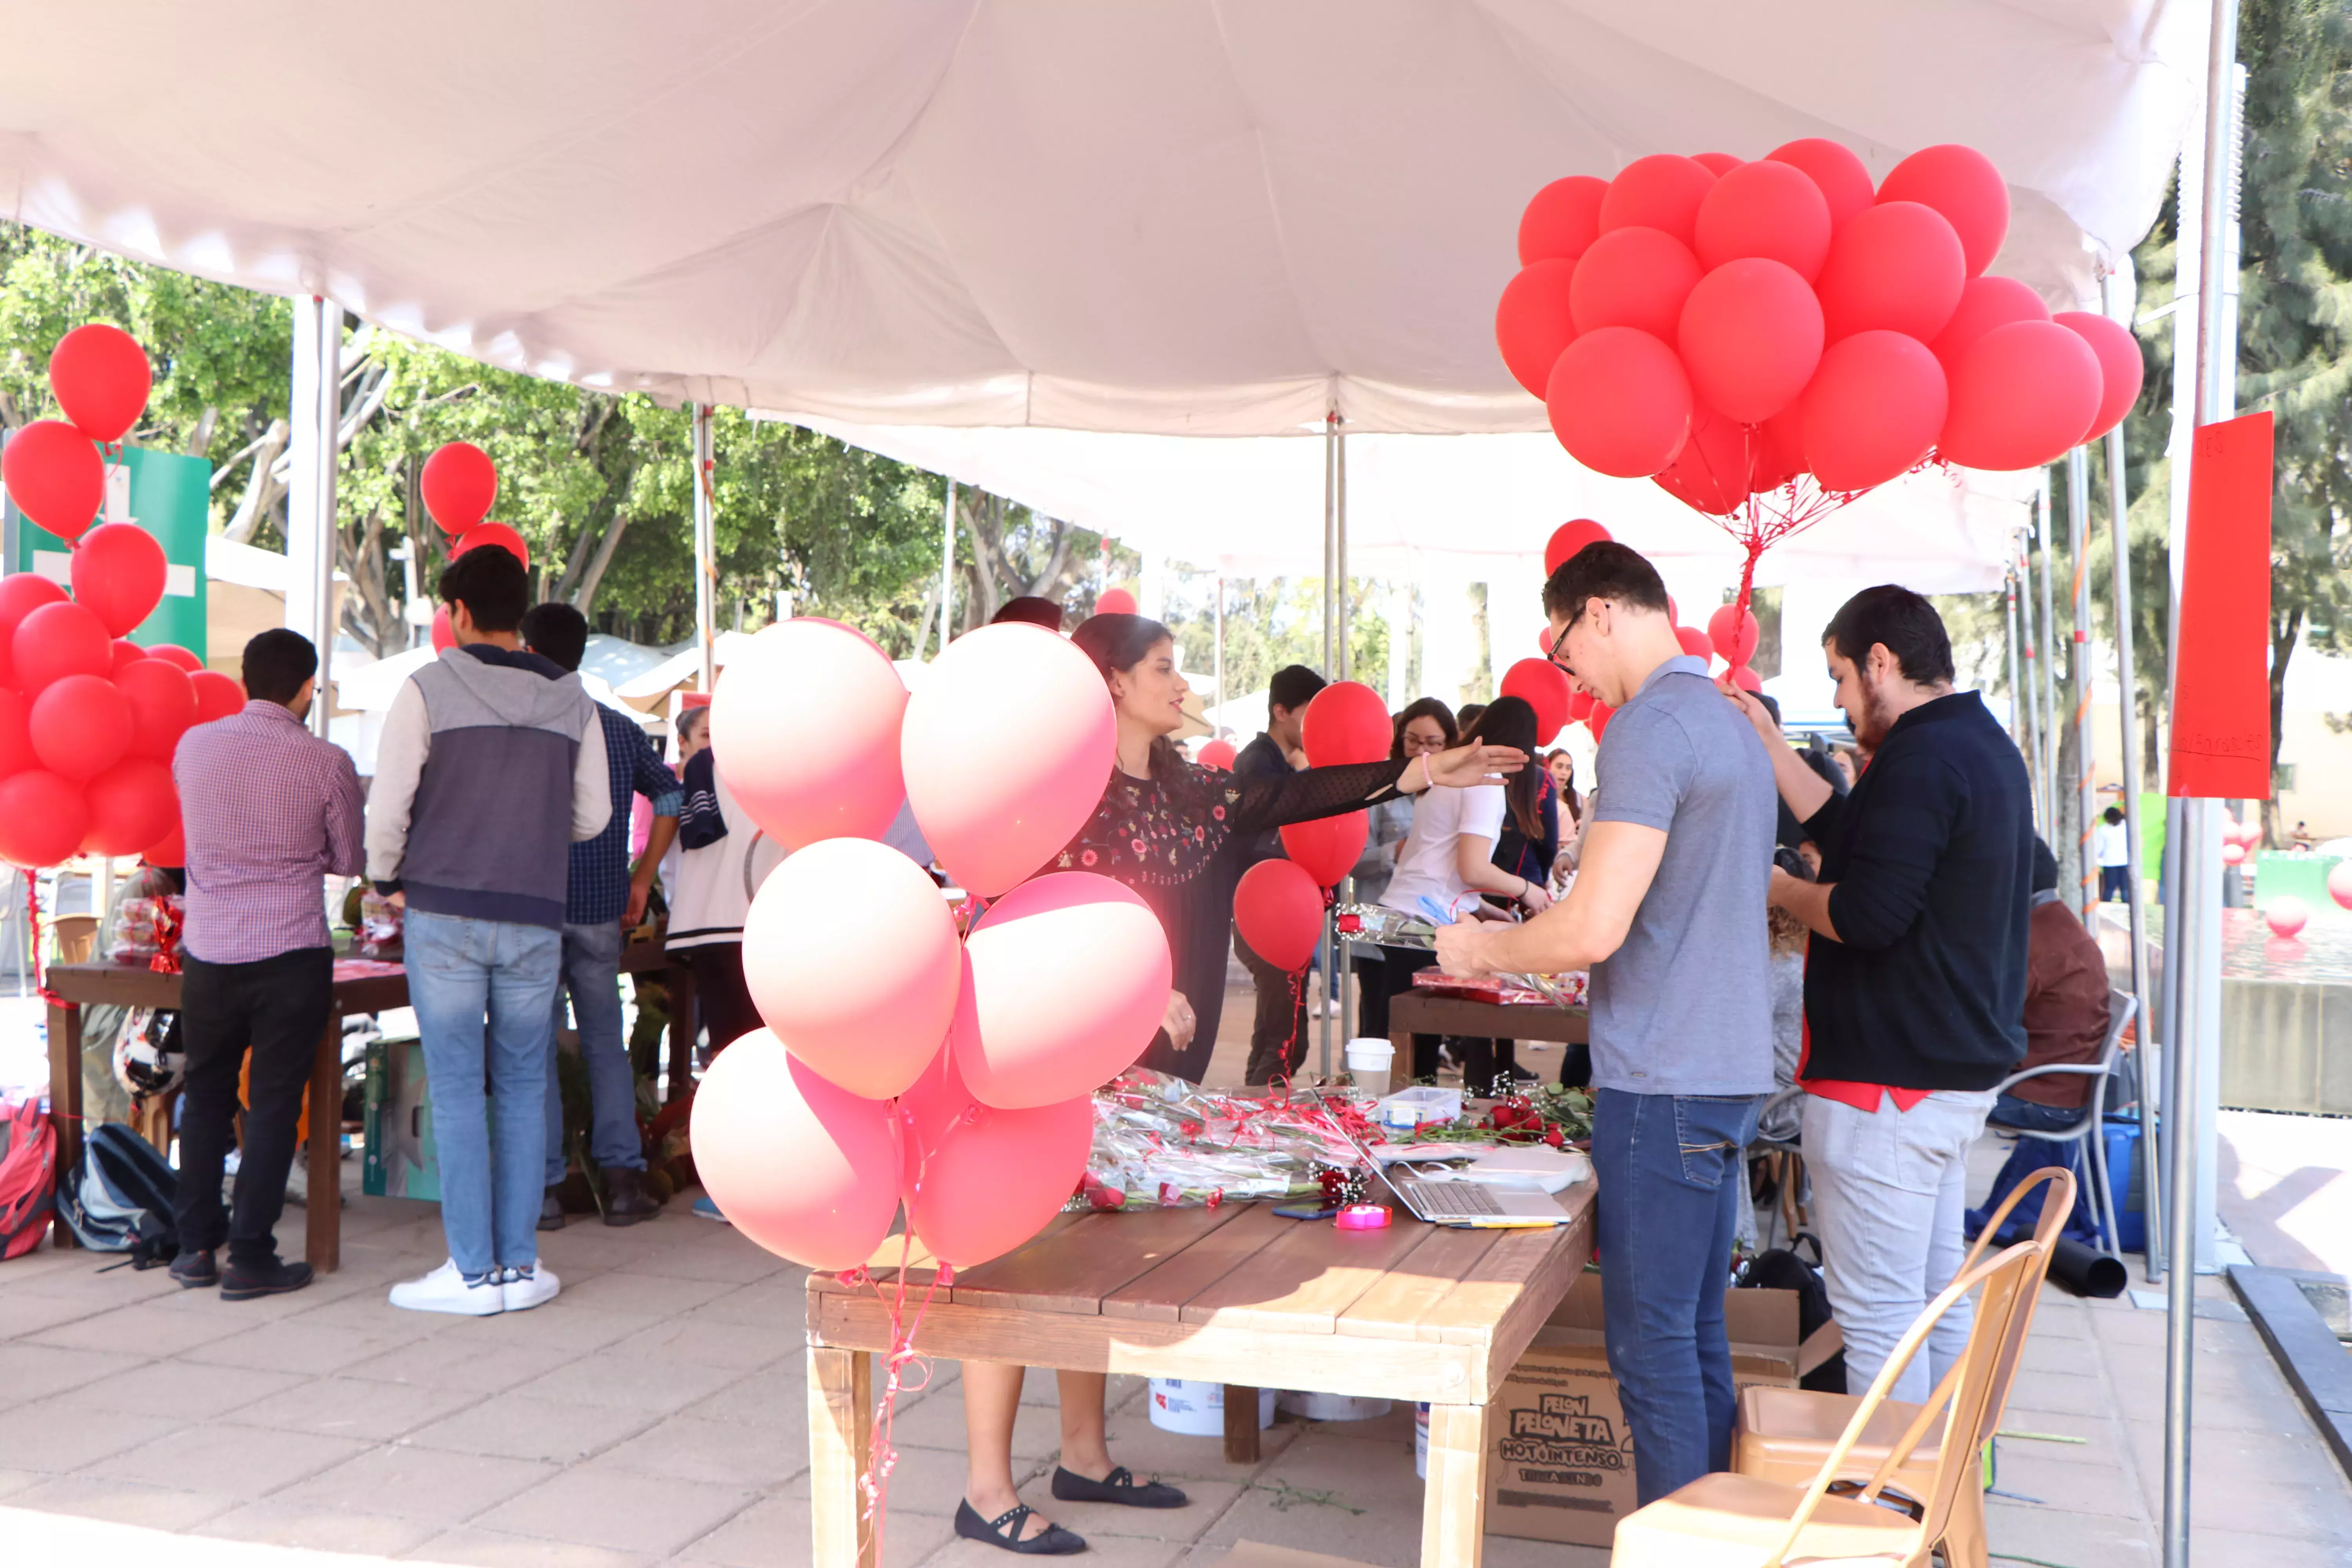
[{"x": 1180, "y": 839}]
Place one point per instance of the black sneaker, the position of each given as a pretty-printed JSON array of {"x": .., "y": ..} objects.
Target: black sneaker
[
  {"x": 195, "y": 1270},
  {"x": 625, "y": 1199},
  {"x": 246, "y": 1281},
  {"x": 551, "y": 1211}
]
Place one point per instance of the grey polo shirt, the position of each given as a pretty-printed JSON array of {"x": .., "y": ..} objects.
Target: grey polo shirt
[{"x": 1685, "y": 1006}]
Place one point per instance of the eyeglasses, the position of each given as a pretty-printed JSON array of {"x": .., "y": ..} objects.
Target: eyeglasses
[{"x": 1561, "y": 642}]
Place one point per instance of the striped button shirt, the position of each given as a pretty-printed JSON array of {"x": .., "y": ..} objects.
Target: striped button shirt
[{"x": 269, "y": 811}]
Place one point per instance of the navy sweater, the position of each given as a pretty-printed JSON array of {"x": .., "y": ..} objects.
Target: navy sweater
[{"x": 1932, "y": 855}]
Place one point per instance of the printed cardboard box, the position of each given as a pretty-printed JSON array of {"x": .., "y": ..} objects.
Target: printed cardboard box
[
  {"x": 1561, "y": 1467},
  {"x": 399, "y": 1160}
]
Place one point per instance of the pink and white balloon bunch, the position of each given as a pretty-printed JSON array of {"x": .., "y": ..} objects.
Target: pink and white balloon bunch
[{"x": 904, "y": 1062}]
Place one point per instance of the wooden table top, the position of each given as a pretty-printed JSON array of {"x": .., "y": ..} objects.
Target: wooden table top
[{"x": 1413, "y": 1311}]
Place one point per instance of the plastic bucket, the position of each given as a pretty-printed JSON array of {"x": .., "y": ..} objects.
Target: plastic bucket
[
  {"x": 1329, "y": 1406},
  {"x": 1198, "y": 1409},
  {"x": 1370, "y": 1057},
  {"x": 1420, "y": 1441}
]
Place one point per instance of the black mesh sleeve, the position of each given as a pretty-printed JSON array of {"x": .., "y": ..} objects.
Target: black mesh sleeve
[{"x": 1263, "y": 802}]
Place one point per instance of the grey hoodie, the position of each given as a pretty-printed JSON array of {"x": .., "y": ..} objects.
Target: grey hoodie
[{"x": 491, "y": 764}]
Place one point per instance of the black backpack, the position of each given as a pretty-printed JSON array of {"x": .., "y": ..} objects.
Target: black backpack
[
  {"x": 118, "y": 1197},
  {"x": 1783, "y": 1268}
]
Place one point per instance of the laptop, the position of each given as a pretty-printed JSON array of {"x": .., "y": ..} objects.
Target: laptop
[{"x": 1479, "y": 1205}]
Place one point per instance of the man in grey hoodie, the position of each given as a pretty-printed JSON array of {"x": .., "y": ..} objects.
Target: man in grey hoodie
[{"x": 491, "y": 764}]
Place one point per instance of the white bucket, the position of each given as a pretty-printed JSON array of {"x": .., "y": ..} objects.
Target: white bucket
[
  {"x": 1369, "y": 1058},
  {"x": 1329, "y": 1406},
  {"x": 1420, "y": 1441},
  {"x": 1198, "y": 1409}
]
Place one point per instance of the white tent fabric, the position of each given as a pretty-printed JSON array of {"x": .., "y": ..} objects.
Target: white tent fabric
[{"x": 1181, "y": 216}]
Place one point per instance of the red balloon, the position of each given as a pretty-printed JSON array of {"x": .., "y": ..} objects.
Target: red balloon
[
  {"x": 1961, "y": 183},
  {"x": 459, "y": 482},
  {"x": 497, "y": 534},
  {"x": 1542, "y": 685},
  {"x": 119, "y": 571},
  {"x": 1597, "y": 720},
  {"x": 1779, "y": 449},
  {"x": 1279, "y": 911},
  {"x": 20, "y": 595},
  {"x": 1346, "y": 722},
  {"x": 1765, "y": 209},
  {"x": 1898, "y": 266},
  {"x": 42, "y": 818},
  {"x": 1327, "y": 848},
  {"x": 2024, "y": 394},
  {"x": 1712, "y": 472},
  {"x": 1875, "y": 409},
  {"x": 445, "y": 635},
  {"x": 1566, "y": 540},
  {"x": 126, "y": 653},
  {"x": 1218, "y": 755},
  {"x": 1563, "y": 220},
  {"x": 1745, "y": 679},
  {"x": 1633, "y": 278},
  {"x": 1985, "y": 303},
  {"x": 979, "y": 1181},
  {"x": 162, "y": 703},
  {"x": 1620, "y": 403},
  {"x": 1579, "y": 705},
  {"x": 1533, "y": 322},
  {"x": 1695, "y": 642},
  {"x": 1115, "y": 602},
  {"x": 133, "y": 805},
  {"x": 1718, "y": 164},
  {"x": 171, "y": 851},
  {"x": 1843, "y": 180},
  {"x": 1733, "y": 633},
  {"x": 55, "y": 476},
  {"x": 217, "y": 695},
  {"x": 59, "y": 639},
  {"x": 101, "y": 377},
  {"x": 15, "y": 734},
  {"x": 173, "y": 653},
  {"x": 1662, "y": 191},
  {"x": 1751, "y": 336},
  {"x": 81, "y": 725},
  {"x": 2120, "y": 366}
]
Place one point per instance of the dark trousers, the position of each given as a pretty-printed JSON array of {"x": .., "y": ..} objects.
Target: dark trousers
[
  {"x": 2114, "y": 885},
  {"x": 1278, "y": 1029},
  {"x": 276, "y": 1008},
  {"x": 721, "y": 993},
  {"x": 1669, "y": 1174},
  {"x": 1388, "y": 976}
]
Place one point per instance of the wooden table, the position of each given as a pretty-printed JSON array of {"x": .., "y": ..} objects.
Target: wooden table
[
  {"x": 1418, "y": 1011},
  {"x": 360, "y": 986},
  {"x": 1232, "y": 1295}
]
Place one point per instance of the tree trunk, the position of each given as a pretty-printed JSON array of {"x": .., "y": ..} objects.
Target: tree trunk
[
  {"x": 2066, "y": 811},
  {"x": 585, "y": 599},
  {"x": 2283, "y": 634},
  {"x": 264, "y": 486},
  {"x": 207, "y": 423}
]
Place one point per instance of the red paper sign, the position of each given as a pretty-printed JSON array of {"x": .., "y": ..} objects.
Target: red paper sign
[{"x": 2220, "y": 694}]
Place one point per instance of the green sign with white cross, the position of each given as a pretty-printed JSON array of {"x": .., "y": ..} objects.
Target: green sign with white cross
[{"x": 168, "y": 495}]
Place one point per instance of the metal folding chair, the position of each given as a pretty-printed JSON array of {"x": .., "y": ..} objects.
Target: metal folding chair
[{"x": 2121, "y": 1007}]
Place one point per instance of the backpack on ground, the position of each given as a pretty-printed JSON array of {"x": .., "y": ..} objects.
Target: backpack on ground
[
  {"x": 118, "y": 1198},
  {"x": 1820, "y": 1355},
  {"x": 28, "y": 1176}
]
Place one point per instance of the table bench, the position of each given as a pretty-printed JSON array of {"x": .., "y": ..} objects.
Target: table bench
[
  {"x": 360, "y": 986},
  {"x": 1233, "y": 1295}
]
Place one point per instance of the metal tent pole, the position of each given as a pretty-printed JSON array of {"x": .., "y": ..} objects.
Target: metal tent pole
[
  {"x": 2047, "y": 642},
  {"x": 2078, "y": 533},
  {"x": 2016, "y": 671},
  {"x": 316, "y": 410},
  {"x": 1222, "y": 693},
  {"x": 2030, "y": 693},
  {"x": 1335, "y": 973},
  {"x": 1331, "y": 547},
  {"x": 705, "y": 551}
]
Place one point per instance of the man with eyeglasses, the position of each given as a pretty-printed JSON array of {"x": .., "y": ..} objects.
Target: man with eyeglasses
[{"x": 1676, "y": 864}]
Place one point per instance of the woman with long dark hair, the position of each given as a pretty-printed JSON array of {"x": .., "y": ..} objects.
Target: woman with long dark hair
[{"x": 1178, "y": 834}]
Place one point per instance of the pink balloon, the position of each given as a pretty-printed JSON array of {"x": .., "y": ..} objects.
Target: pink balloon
[
  {"x": 804, "y": 1168},
  {"x": 1065, "y": 980},
  {"x": 1007, "y": 748},
  {"x": 979, "y": 1180},
  {"x": 2287, "y": 915},
  {"x": 850, "y": 956},
  {"x": 2232, "y": 853},
  {"x": 805, "y": 727},
  {"x": 2339, "y": 883}
]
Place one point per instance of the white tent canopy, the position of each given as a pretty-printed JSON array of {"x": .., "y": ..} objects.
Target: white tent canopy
[{"x": 1183, "y": 216}]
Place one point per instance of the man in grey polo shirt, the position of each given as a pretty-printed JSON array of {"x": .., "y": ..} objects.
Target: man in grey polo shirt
[{"x": 1668, "y": 914}]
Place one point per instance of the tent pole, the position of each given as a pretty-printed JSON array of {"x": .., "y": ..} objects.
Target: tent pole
[
  {"x": 317, "y": 409},
  {"x": 1331, "y": 548},
  {"x": 704, "y": 569},
  {"x": 2078, "y": 508},
  {"x": 1223, "y": 695},
  {"x": 2047, "y": 641},
  {"x": 1335, "y": 977},
  {"x": 2016, "y": 674},
  {"x": 2128, "y": 717},
  {"x": 2029, "y": 693},
  {"x": 947, "y": 562}
]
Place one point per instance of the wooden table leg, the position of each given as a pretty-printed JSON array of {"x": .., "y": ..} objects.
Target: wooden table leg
[
  {"x": 322, "y": 1237},
  {"x": 65, "y": 1103},
  {"x": 841, "y": 1434},
  {"x": 681, "y": 1032},
  {"x": 1241, "y": 1425},
  {"x": 1453, "y": 1507}
]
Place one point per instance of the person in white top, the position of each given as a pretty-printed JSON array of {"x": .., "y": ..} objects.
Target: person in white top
[{"x": 2111, "y": 848}]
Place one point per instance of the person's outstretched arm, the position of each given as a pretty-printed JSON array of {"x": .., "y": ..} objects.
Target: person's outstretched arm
[{"x": 1273, "y": 802}]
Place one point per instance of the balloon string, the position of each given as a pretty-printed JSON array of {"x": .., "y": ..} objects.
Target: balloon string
[
  {"x": 32, "y": 916},
  {"x": 882, "y": 1456}
]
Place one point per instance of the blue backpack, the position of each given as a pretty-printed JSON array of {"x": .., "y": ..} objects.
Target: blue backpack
[{"x": 118, "y": 1198}]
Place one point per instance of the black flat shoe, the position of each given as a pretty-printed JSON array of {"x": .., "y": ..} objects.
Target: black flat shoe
[
  {"x": 195, "y": 1270},
  {"x": 1119, "y": 1487},
  {"x": 240, "y": 1282},
  {"x": 1004, "y": 1532}
]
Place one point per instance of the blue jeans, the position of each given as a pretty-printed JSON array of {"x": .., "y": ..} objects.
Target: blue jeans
[
  {"x": 484, "y": 991},
  {"x": 1669, "y": 1172},
  {"x": 592, "y": 973},
  {"x": 2030, "y": 1153}
]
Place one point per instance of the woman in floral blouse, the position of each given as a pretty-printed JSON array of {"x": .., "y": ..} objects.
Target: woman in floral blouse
[{"x": 1178, "y": 834}]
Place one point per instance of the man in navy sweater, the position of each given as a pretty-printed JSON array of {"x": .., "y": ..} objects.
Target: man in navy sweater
[{"x": 1915, "y": 988}]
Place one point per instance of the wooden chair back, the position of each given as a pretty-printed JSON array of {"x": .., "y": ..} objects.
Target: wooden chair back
[
  {"x": 1978, "y": 1384},
  {"x": 77, "y": 937}
]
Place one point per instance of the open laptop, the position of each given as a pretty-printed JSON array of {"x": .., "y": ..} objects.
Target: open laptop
[{"x": 1482, "y": 1205}]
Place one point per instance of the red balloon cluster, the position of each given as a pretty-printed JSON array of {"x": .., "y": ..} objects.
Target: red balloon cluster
[
  {"x": 1730, "y": 328},
  {"x": 903, "y": 1059},
  {"x": 1278, "y": 904}
]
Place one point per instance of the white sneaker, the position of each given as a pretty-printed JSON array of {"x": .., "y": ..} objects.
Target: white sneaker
[
  {"x": 524, "y": 1291},
  {"x": 446, "y": 1291}
]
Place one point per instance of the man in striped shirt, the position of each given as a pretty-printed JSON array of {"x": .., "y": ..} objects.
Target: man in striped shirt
[{"x": 270, "y": 810}]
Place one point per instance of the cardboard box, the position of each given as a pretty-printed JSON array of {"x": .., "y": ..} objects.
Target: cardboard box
[
  {"x": 399, "y": 1159},
  {"x": 1561, "y": 1464},
  {"x": 1258, "y": 1555}
]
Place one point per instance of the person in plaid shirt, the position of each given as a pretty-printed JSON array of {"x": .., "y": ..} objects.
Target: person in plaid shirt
[
  {"x": 605, "y": 902},
  {"x": 269, "y": 811}
]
